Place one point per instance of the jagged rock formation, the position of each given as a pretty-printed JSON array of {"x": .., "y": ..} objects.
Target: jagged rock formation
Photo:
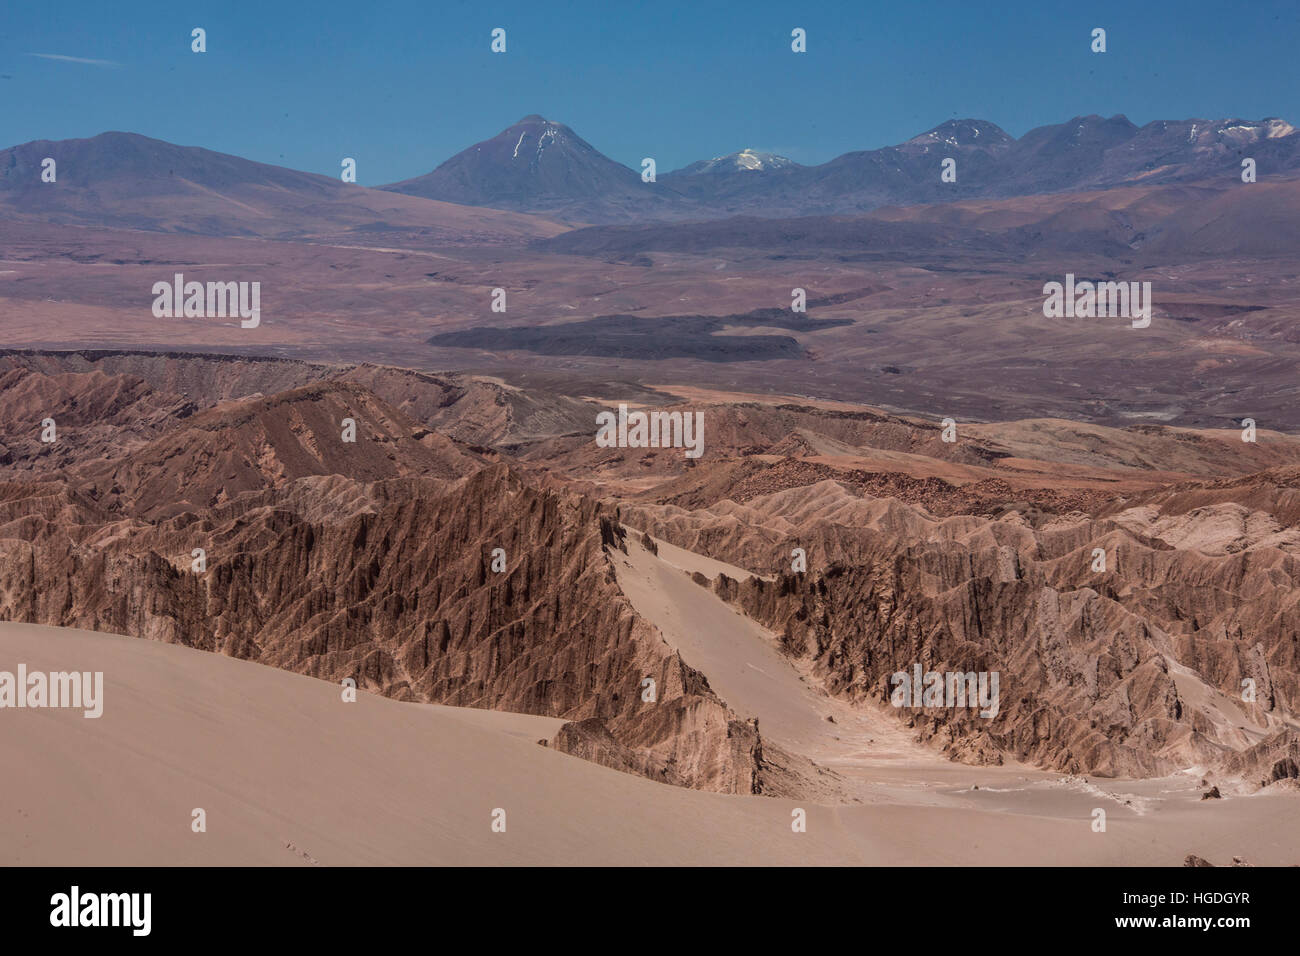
[
  {"x": 1135, "y": 671},
  {"x": 398, "y": 595},
  {"x": 375, "y": 560}
]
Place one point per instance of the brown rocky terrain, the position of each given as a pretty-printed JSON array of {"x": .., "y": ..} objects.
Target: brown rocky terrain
[
  {"x": 375, "y": 560},
  {"x": 1132, "y": 672},
  {"x": 393, "y": 590}
]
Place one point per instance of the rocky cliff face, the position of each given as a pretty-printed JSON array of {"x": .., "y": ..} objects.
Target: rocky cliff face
[
  {"x": 1137, "y": 670},
  {"x": 395, "y": 588}
]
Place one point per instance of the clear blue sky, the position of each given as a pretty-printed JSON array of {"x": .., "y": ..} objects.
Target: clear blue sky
[{"x": 402, "y": 86}]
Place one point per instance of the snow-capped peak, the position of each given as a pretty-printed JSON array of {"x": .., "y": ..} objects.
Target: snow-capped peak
[{"x": 747, "y": 160}]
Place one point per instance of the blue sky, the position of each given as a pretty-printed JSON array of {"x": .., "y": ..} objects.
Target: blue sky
[{"x": 403, "y": 86}]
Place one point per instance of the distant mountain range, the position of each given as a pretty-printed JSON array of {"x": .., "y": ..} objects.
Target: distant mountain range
[{"x": 542, "y": 167}]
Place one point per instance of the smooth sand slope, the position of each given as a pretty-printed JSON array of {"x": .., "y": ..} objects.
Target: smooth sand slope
[{"x": 290, "y": 774}]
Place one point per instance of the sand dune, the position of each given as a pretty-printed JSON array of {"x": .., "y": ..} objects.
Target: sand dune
[
  {"x": 289, "y": 774},
  {"x": 739, "y": 656}
]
